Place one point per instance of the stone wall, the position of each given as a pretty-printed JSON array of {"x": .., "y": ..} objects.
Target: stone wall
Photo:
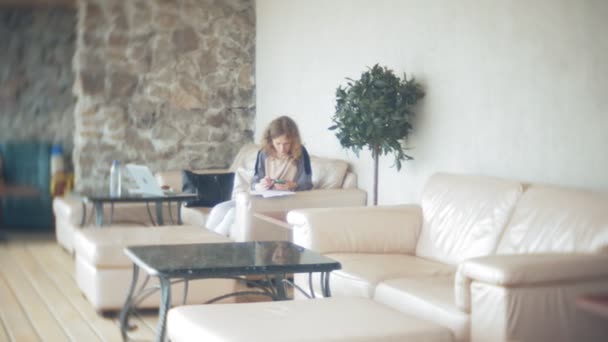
[
  {"x": 167, "y": 83},
  {"x": 36, "y": 50}
]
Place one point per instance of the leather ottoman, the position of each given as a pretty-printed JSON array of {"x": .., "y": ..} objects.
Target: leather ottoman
[
  {"x": 104, "y": 272},
  {"x": 329, "y": 319}
]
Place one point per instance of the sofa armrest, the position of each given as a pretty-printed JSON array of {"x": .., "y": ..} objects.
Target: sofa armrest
[
  {"x": 383, "y": 229},
  {"x": 247, "y": 204},
  {"x": 69, "y": 209},
  {"x": 527, "y": 270},
  {"x": 350, "y": 181}
]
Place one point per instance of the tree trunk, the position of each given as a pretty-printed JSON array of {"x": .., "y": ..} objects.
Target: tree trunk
[{"x": 376, "y": 155}]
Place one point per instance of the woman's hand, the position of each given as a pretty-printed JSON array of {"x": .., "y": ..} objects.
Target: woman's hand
[
  {"x": 287, "y": 186},
  {"x": 266, "y": 183}
]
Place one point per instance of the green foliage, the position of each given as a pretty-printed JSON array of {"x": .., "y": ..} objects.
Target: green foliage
[{"x": 376, "y": 112}]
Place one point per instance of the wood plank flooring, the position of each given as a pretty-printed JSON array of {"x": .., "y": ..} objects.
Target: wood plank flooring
[{"x": 41, "y": 301}]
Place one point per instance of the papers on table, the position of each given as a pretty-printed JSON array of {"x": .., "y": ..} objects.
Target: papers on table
[{"x": 272, "y": 193}]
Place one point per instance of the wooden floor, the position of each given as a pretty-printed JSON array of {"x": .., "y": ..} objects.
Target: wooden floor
[{"x": 40, "y": 301}]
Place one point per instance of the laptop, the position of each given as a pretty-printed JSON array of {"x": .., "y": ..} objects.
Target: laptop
[{"x": 143, "y": 177}]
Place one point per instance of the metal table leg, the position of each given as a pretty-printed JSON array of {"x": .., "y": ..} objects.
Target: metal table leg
[
  {"x": 83, "y": 219},
  {"x": 159, "y": 213},
  {"x": 111, "y": 212},
  {"x": 179, "y": 212},
  {"x": 165, "y": 304},
  {"x": 98, "y": 213},
  {"x": 128, "y": 306},
  {"x": 325, "y": 284},
  {"x": 279, "y": 285}
]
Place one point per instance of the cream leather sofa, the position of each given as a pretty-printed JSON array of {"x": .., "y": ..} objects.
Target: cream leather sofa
[
  {"x": 490, "y": 259},
  {"x": 334, "y": 185}
]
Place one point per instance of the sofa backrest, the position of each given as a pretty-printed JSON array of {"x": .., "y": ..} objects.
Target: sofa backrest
[
  {"x": 555, "y": 219},
  {"x": 326, "y": 173},
  {"x": 464, "y": 216}
]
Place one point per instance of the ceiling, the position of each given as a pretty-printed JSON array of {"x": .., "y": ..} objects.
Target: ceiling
[{"x": 37, "y": 3}]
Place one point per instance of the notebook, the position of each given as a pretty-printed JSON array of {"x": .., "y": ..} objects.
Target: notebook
[{"x": 143, "y": 177}]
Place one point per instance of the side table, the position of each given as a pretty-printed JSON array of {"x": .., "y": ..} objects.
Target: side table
[{"x": 98, "y": 201}]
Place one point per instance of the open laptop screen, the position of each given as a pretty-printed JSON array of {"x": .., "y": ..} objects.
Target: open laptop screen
[{"x": 144, "y": 179}]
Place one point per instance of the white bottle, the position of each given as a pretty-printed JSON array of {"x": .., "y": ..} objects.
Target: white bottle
[{"x": 115, "y": 186}]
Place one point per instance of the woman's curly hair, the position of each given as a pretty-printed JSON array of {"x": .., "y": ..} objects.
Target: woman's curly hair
[{"x": 282, "y": 125}]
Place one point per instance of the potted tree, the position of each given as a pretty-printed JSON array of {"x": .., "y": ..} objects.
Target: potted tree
[{"x": 376, "y": 112}]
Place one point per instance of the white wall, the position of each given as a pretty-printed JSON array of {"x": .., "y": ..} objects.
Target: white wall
[{"x": 515, "y": 89}]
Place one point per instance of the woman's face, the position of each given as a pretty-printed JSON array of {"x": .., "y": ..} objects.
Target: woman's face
[{"x": 282, "y": 144}]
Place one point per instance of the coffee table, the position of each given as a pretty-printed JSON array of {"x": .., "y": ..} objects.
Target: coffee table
[
  {"x": 232, "y": 260},
  {"x": 99, "y": 199}
]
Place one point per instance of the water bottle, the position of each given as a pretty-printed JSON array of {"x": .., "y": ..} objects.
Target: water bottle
[{"x": 115, "y": 188}]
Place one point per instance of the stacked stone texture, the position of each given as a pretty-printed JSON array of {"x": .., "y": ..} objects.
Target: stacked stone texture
[
  {"x": 166, "y": 83},
  {"x": 36, "y": 50}
]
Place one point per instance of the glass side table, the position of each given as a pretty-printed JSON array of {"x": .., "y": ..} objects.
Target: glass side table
[{"x": 100, "y": 199}]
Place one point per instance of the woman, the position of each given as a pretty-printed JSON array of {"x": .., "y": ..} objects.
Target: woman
[{"x": 282, "y": 164}]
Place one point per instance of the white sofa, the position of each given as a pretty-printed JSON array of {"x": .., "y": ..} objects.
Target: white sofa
[
  {"x": 334, "y": 185},
  {"x": 490, "y": 259}
]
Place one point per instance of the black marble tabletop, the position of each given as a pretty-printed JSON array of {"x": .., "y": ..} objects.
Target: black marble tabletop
[
  {"x": 127, "y": 197},
  {"x": 228, "y": 259}
]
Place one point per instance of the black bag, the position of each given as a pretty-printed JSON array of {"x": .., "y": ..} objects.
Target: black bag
[{"x": 211, "y": 188}]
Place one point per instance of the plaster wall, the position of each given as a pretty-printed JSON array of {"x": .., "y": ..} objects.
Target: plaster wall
[{"x": 515, "y": 89}]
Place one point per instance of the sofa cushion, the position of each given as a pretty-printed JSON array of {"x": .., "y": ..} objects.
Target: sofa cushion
[
  {"x": 327, "y": 173},
  {"x": 246, "y": 157},
  {"x": 464, "y": 216},
  {"x": 427, "y": 298},
  {"x": 104, "y": 247},
  {"x": 242, "y": 180},
  {"x": 361, "y": 273},
  {"x": 551, "y": 219}
]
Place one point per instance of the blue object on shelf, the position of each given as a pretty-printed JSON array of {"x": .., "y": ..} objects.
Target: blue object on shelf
[
  {"x": 56, "y": 149},
  {"x": 27, "y": 163}
]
